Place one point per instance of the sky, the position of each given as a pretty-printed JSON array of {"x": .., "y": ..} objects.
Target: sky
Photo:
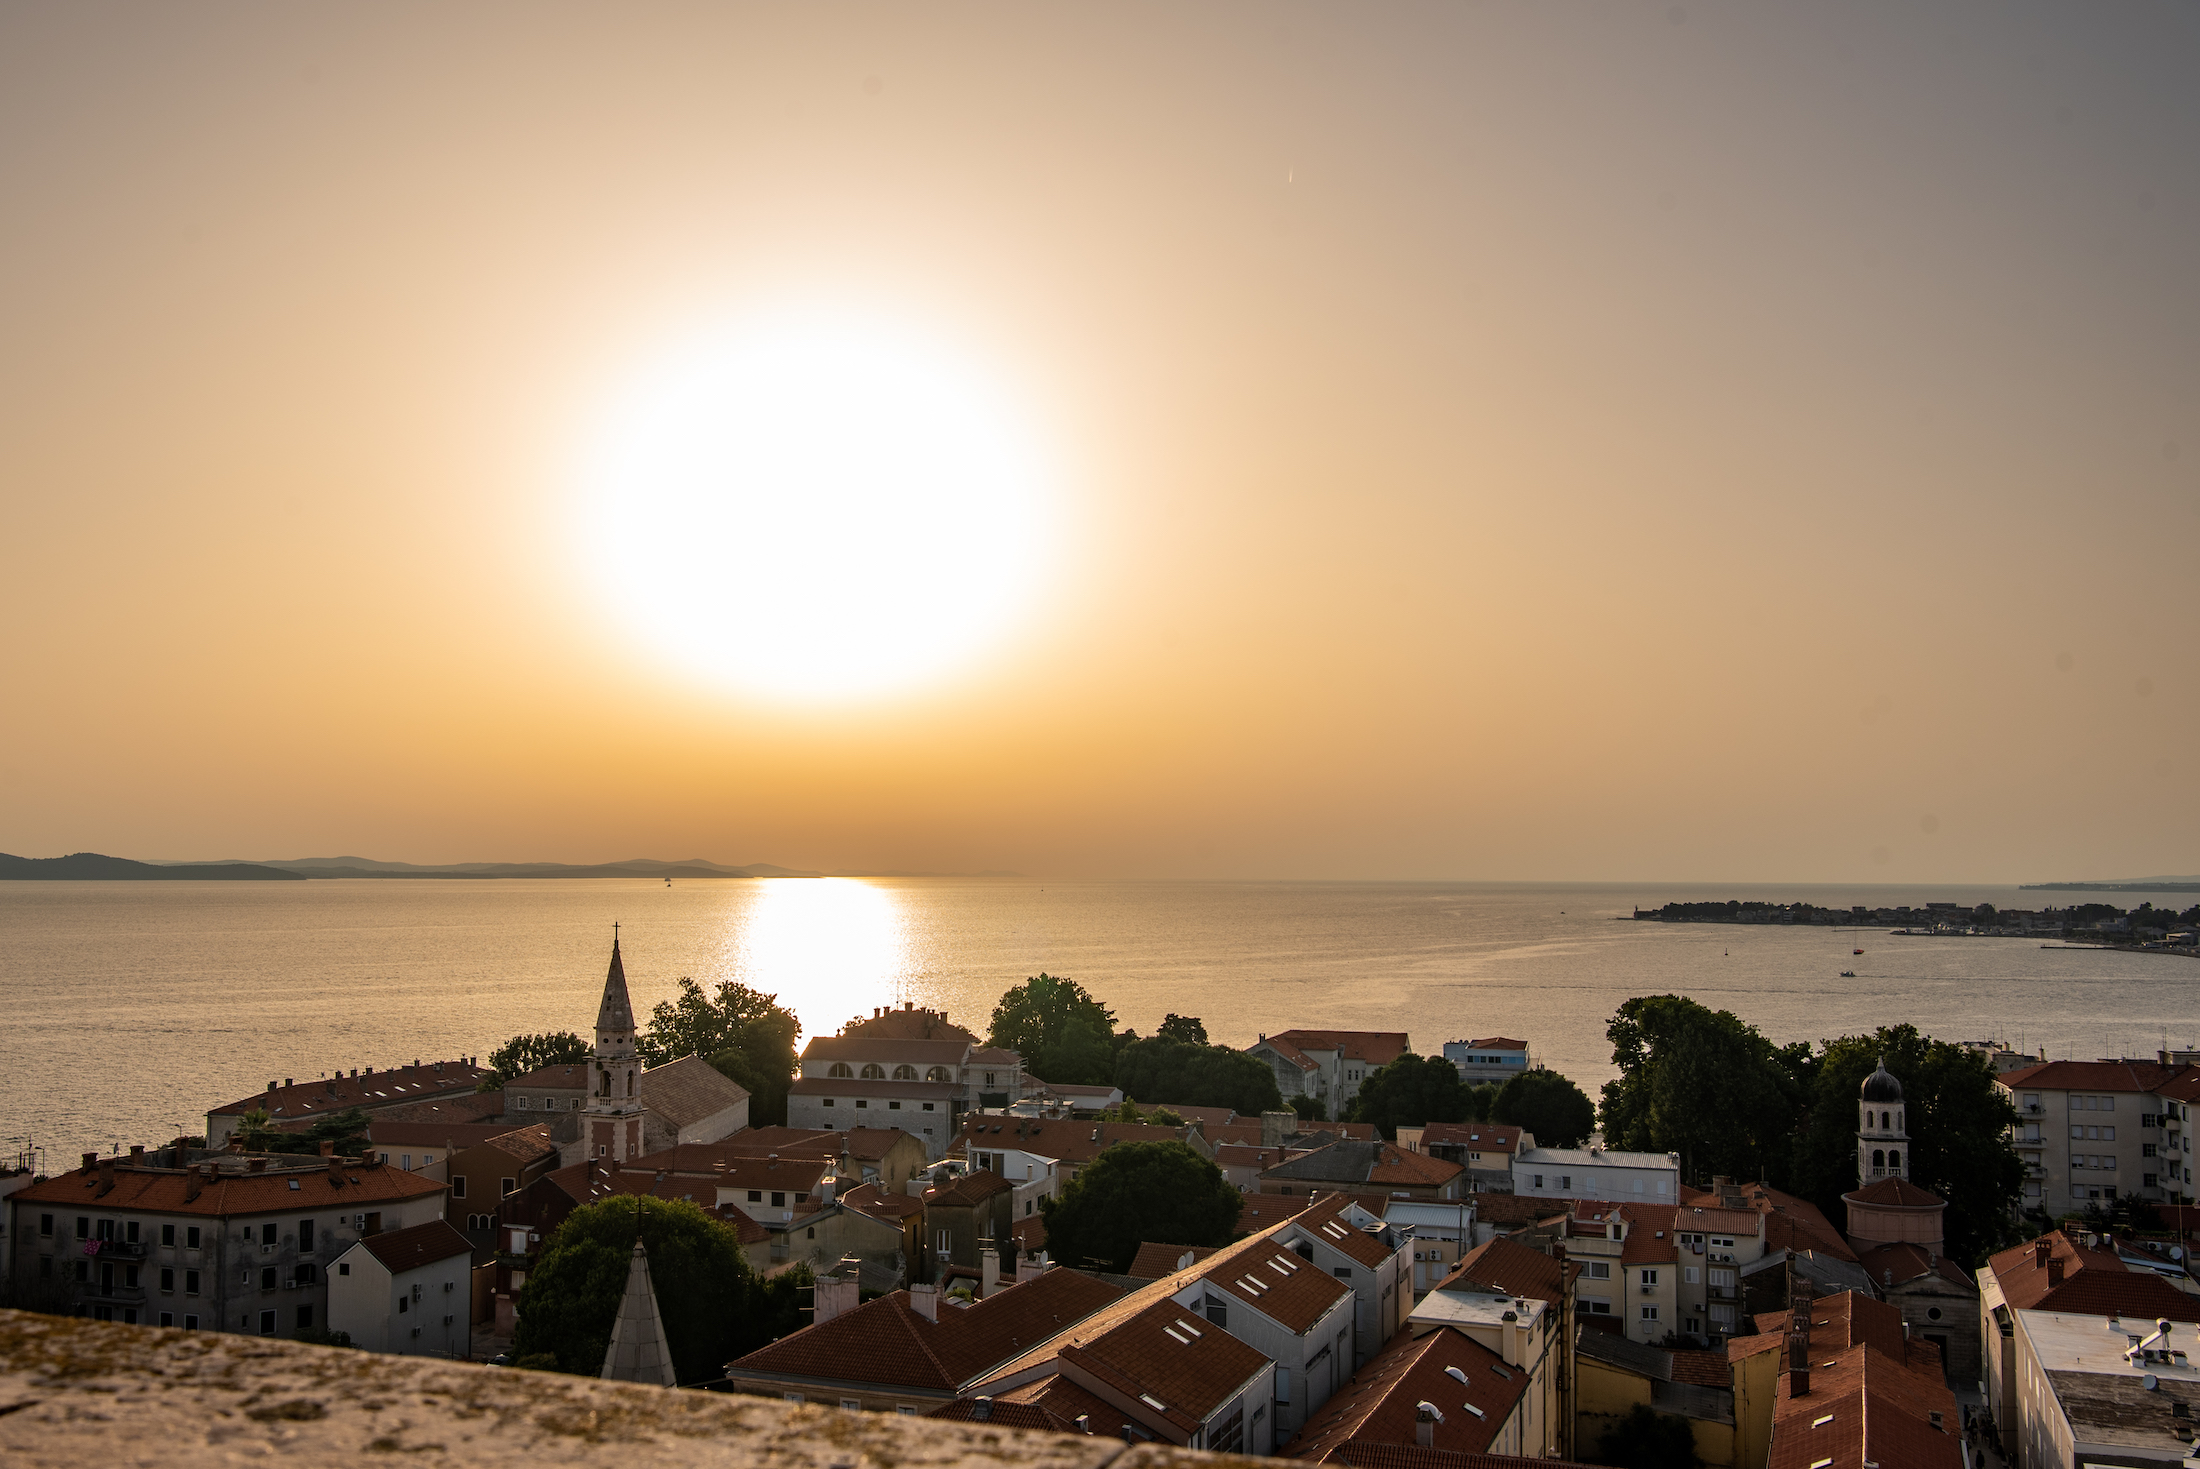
[{"x": 1482, "y": 440}]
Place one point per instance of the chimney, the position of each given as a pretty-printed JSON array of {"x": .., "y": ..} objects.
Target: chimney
[
  {"x": 981, "y": 1408},
  {"x": 1084, "y": 1423},
  {"x": 91, "y": 1161},
  {"x": 193, "y": 1181},
  {"x": 106, "y": 1176},
  {"x": 328, "y": 1147},
  {"x": 2041, "y": 1249},
  {"x": 286, "y": 1081},
  {"x": 257, "y": 1165},
  {"x": 1799, "y": 1381},
  {"x": 137, "y": 1152},
  {"x": 1424, "y": 1425},
  {"x": 989, "y": 1273},
  {"x": 335, "y": 1165},
  {"x": 925, "y": 1301},
  {"x": 2055, "y": 1270}
]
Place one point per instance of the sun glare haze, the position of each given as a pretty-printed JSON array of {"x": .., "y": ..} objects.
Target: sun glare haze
[{"x": 807, "y": 505}]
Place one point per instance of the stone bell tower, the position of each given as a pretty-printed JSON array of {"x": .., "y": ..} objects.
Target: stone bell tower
[
  {"x": 614, "y": 1113},
  {"x": 1882, "y": 1144}
]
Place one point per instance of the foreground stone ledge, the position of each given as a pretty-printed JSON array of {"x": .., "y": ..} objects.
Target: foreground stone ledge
[{"x": 75, "y": 1392}]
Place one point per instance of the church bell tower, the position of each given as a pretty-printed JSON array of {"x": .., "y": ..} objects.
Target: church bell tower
[
  {"x": 1882, "y": 1144},
  {"x": 614, "y": 1113}
]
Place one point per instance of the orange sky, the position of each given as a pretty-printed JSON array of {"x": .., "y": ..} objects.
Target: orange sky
[{"x": 1502, "y": 441}]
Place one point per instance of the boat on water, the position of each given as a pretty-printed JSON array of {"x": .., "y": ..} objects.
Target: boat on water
[
  {"x": 1848, "y": 974},
  {"x": 1856, "y": 951}
]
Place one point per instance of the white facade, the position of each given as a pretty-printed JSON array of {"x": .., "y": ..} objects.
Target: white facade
[
  {"x": 424, "y": 1311},
  {"x": 1594, "y": 1173}
]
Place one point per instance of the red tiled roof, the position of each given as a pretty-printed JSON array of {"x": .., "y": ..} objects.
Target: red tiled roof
[
  {"x": 1898, "y": 1264},
  {"x": 1791, "y": 1223},
  {"x": 1895, "y": 1193},
  {"x": 1511, "y": 1268},
  {"x": 408, "y": 1249},
  {"x": 1279, "y": 1285},
  {"x": 1379, "y": 1404},
  {"x": 450, "y": 1136},
  {"x": 567, "y": 1076},
  {"x": 2093, "y": 1076},
  {"x": 1325, "y": 1220},
  {"x": 459, "y": 1107},
  {"x": 1378, "y": 1166},
  {"x": 2093, "y": 1283},
  {"x": 1498, "y": 1043},
  {"x": 1068, "y": 1400},
  {"x": 1871, "y": 1393},
  {"x": 1519, "y": 1209},
  {"x": 373, "y": 1091},
  {"x": 1189, "y": 1372},
  {"x": 1067, "y": 1139},
  {"x": 735, "y": 1167},
  {"x": 907, "y": 1024},
  {"x": 1705, "y": 1369},
  {"x": 874, "y": 1201},
  {"x": 885, "y": 1341},
  {"x": 1259, "y": 1211},
  {"x": 169, "y": 1191},
  {"x": 1375, "y": 1047},
  {"x": 969, "y": 1190},
  {"x": 887, "y": 1051}
]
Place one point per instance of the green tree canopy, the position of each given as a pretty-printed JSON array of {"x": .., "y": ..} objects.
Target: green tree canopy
[
  {"x": 1409, "y": 1091},
  {"x": 1647, "y": 1439},
  {"x": 1958, "y": 1123},
  {"x": 1135, "y": 1192},
  {"x": 714, "y": 1307},
  {"x": 1185, "y": 1028},
  {"x": 1547, "y": 1104},
  {"x": 748, "y": 1036},
  {"x": 1063, "y": 1033},
  {"x": 1162, "y": 1069},
  {"x": 1310, "y": 1109},
  {"x": 1700, "y": 1083},
  {"x": 524, "y": 1053}
]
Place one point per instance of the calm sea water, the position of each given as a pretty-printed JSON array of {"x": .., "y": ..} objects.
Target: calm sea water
[{"x": 133, "y": 1007}]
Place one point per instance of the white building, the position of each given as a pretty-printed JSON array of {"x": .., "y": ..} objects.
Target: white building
[
  {"x": 405, "y": 1292},
  {"x": 1595, "y": 1173}
]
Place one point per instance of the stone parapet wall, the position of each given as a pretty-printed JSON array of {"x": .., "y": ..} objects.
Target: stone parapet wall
[{"x": 75, "y": 1391}]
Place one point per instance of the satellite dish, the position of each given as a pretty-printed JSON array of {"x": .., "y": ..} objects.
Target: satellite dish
[
  {"x": 2150, "y": 1382},
  {"x": 2176, "y": 1252}
]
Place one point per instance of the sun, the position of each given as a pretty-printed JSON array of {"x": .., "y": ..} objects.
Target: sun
[{"x": 806, "y": 505}]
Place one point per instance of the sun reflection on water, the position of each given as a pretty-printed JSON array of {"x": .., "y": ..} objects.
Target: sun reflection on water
[{"x": 830, "y": 947}]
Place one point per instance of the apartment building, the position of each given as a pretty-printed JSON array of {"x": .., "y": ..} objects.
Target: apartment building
[
  {"x": 1493, "y": 1060},
  {"x": 1597, "y": 1173},
  {"x": 1660, "y": 1271},
  {"x": 2089, "y": 1131},
  {"x": 406, "y": 1292},
  {"x": 1327, "y": 1065},
  {"x": 371, "y": 1092},
  {"x": 238, "y": 1244},
  {"x": 1485, "y": 1149}
]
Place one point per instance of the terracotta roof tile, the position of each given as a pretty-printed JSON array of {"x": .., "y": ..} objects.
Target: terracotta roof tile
[
  {"x": 2094, "y": 1282},
  {"x": 1325, "y": 1220},
  {"x": 1487, "y": 1137},
  {"x": 1161, "y": 1354},
  {"x": 1379, "y": 1404},
  {"x": 1278, "y": 1284},
  {"x": 400, "y": 1250},
  {"x": 1155, "y": 1259},
  {"x": 1511, "y": 1268},
  {"x": 1896, "y": 1193},
  {"x": 169, "y": 1191},
  {"x": 690, "y": 1090},
  {"x": 2094, "y": 1076},
  {"x": 971, "y": 1188},
  {"x": 373, "y": 1091},
  {"x": 1375, "y": 1047}
]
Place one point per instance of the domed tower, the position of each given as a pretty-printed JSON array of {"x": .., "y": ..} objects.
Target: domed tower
[
  {"x": 1882, "y": 1143},
  {"x": 614, "y": 1102}
]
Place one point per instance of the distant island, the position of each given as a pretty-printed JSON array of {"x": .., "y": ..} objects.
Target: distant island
[
  {"x": 93, "y": 867},
  {"x": 2125, "y": 885},
  {"x": 2145, "y": 926}
]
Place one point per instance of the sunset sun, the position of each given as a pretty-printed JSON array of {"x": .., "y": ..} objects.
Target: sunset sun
[{"x": 806, "y": 506}]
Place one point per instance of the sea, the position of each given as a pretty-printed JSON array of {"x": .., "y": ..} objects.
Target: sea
[{"x": 132, "y": 1007}]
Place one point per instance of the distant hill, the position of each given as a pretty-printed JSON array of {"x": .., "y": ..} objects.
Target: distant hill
[
  {"x": 92, "y": 867},
  {"x": 637, "y": 867},
  {"x": 2119, "y": 885}
]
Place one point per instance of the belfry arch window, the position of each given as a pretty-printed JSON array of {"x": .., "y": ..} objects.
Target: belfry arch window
[
  {"x": 874, "y": 1072},
  {"x": 1894, "y": 1158},
  {"x": 1879, "y": 1158},
  {"x": 630, "y": 1083},
  {"x": 841, "y": 1069},
  {"x": 905, "y": 1073}
]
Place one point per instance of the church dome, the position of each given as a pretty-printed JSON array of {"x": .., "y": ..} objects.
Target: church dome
[{"x": 1881, "y": 1086}]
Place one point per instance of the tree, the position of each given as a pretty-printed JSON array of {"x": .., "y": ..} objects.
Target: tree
[
  {"x": 1063, "y": 1033},
  {"x": 1958, "y": 1121},
  {"x": 255, "y": 1132},
  {"x": 746, "y": 1035},
  {"x": 1185, "y": 1028},
  {"x": 524, "y": 1053},
  {"x": 1135, "y": 1192},
  {"x": 1310, "y": 1109},
  {"x": 1648, "y": 1439},
  {"x": 1547, "y": 1104},
  {"x": 1409, "y": 1091},
  {"x": 1483, "y": 1099},
  {"x": 1163, "y": 1069},
  {"x": 1700, "y": 1083},
  {"x": 713, "y": 1306}
]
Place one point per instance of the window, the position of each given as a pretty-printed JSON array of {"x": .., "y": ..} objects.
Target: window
[
  {"x": 854, "y": 1405},
  {"x": 305, "y": 1234},
  {"x": 928, "y": 1107},
  {"x": 1649, "y": 1277},
  {"x": 1689, "y": 1275},
  {"x": 2108, "y": 1104},
  {"x": 168, "y": 1282},
  {"x": 756, "y": 1196},
  {"x": 828, "y": 1101},
  {"x": 267, "y": 1323},
  {"x": 190, "y": 1323},
  {"x": 408, "y": 1163},
  {"x": 1565, "y": 1180},
  {"x": 344, "y": 1268},
  {"x": 893, "y": 1106},
  {"x": 191, "y": 1237},
  {"x": 130, "y": 1232},
  {"x": 905, "y": 1073},
  {"x": 1342, "y": 1272},
  {"x": 458, "y": 1185},
  {"x": 270, "y": 1235},
  {"x": 779, "y": 1199},
  {"x": 190, "y": 1282},
  {"x": 404, "y": 1304},
  {"x": 83, "y": 1226},
  {"x": 45, "y": 1226},
  {"x": 1538, "y": 1181},
  {"x": 1649, "y": 1313},
  {"x": 1283, "y": 1384},
  {"x": 2108, "y": 1134},
  {"x": 167, "y": 1318},
  {"x": 305, "y": 1273},
  {"x": 1598, "y": 1270},
  {"x": 506, "y": 1185},
  {"x": 872, "y": 1071},
  {"x": 168, "y": 1236},
  {"x": 791, "y": 1397},
  {"x": 305, "y": 1317},
  {"x": 837, "y": 1069},
  {"x": 267, "y": 1277},
  {"x": 860, "y": 1102},
  {"x": 523, "y": 1104}
]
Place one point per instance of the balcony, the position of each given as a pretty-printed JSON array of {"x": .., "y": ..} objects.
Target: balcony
[
  {"x": 128, "y": 1295},
  {"x": 115, "y": 1249}
]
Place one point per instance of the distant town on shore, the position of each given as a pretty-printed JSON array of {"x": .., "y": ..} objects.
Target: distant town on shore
[{"x": 2145, "y": 926}]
